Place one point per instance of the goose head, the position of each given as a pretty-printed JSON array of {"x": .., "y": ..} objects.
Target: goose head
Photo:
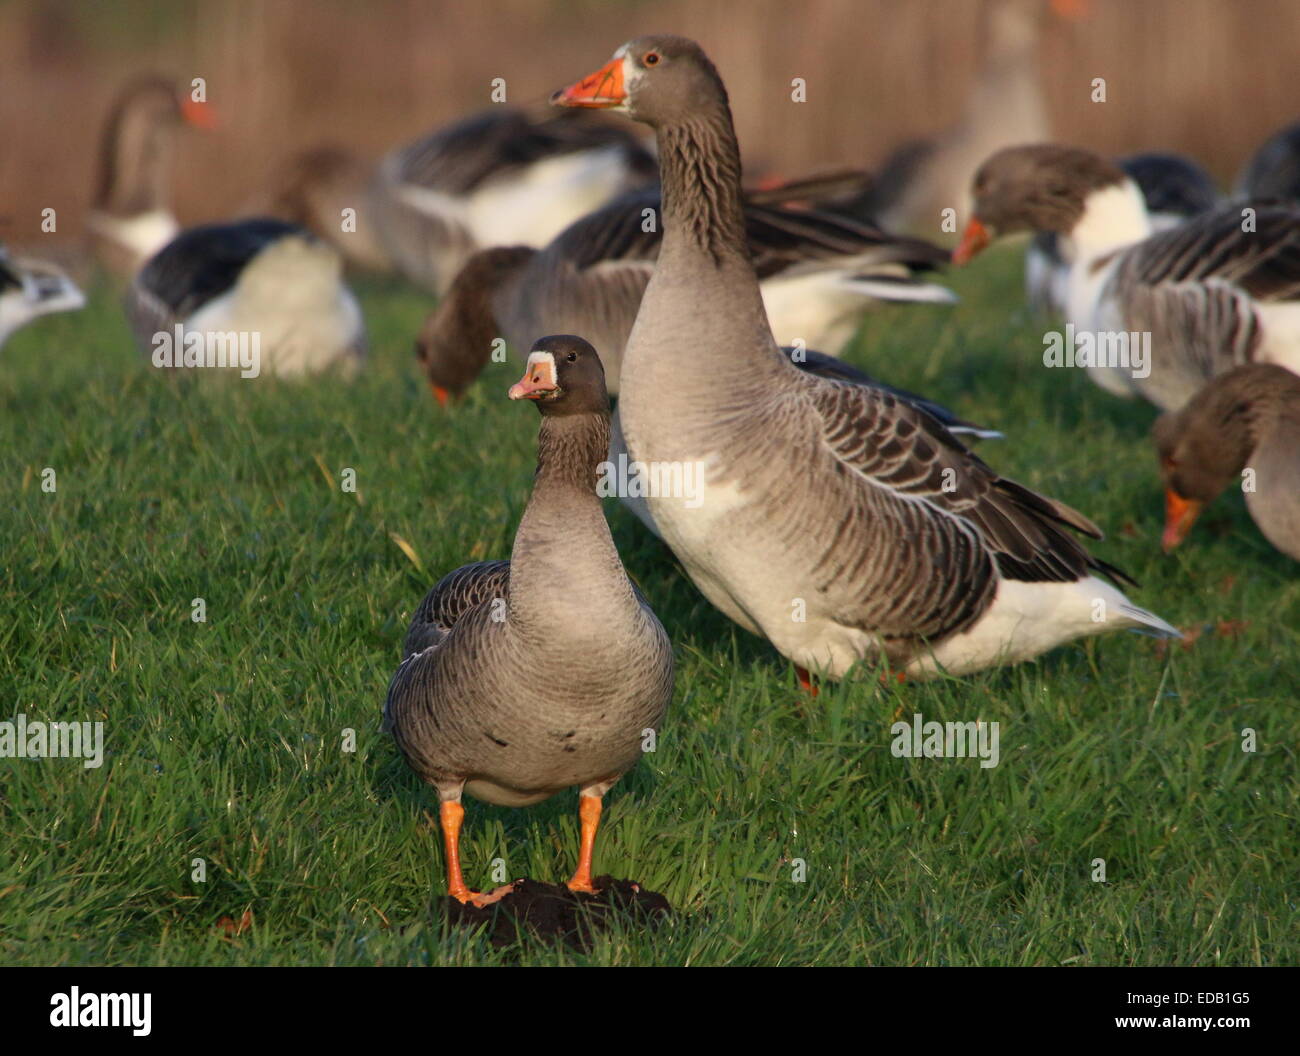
[
  {"x": 563, "y": 376},
  {"x": 456, "y": 341},
  {"x": 654, "y": 79},
  {"x": 1204, "y": 446},
  {"x": 1040, "y": 187}
]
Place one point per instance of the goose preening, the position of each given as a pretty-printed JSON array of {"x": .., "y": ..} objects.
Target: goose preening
[
  {"x": 923, "y": 178},
  {"x": 1273, "y": 172},
  {"x": 1243, "y": 430},
  {"x": 836, "y": 520},
  {"x": 819, "y": 274},
  {"x": 1220, "y": 289},
  {"x": 262, "y": 285},
  {"x": 32, "y": 288},
  {"x": 525, "y": 677},
  {"x": 497, "y": 178},
  {"x": 130, "y": 217},
  {"x": 1174, "y": 189}
]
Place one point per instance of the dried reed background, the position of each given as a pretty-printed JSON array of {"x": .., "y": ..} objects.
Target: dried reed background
[{"x": 1208, "y": 77}]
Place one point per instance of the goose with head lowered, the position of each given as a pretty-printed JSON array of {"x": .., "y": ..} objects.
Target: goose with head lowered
[
  {"x": 1220, "y": 289},
  {"x": 835, "y": 520},
  {"x": 1242, "y": 429},
  {"x": 529, "y": 676},
  {"x": 819, "y": 275}
]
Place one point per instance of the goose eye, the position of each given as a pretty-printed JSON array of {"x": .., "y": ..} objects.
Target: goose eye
[
  {"x": 651, "y": 58},
  {"x": 572, "y": 356}
]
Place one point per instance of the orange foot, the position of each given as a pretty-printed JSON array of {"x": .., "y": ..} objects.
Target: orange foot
[{"x": 483, "y": 899}]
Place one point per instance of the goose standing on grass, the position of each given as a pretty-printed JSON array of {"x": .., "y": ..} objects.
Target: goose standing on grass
[
  {"x": 1174, "y": 188},
  {"x": 526, "y": 677},
  {"x": 497, "y": 178},
  {"x": 1243, "y": 430},
  {"x": 835, "y": 520},
  {"x": 1211, "y": 293},
  {"x": 32, "y": 288},
  {"x": 820, "y": 274},
  {"x": 1273, "y": 172},
  {"x": 256, "y": 278},
  {"x": 130, "y": 217}
]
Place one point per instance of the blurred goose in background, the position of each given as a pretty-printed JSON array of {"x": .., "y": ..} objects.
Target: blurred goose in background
[
  {"x": 820, "y": 273},
  {"x": 130, "y": 217},
  {"x": 32, "y": 288},
  {"x": 497, "y": 178},
  {"x": 1005, "y": 106},
  {"x": 1210, "y": 294},
  {"x": 1245, "y": 420},
  {"x": 529, "y": 676},
  {"x": 834, "y": 519},
  {"x": 1273, "y": 172},
  {"x": 313, "y": 191},
  {"x": 1173, "y": 187},
  {"x": 258, "y": 277}
]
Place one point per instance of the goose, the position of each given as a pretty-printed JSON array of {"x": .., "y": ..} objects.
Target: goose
[
  {"x": 836, "y": 520},
  {"x": 820, "y": 273},
  {"x": 1273, "y": 172},
  {"x": 32, "y": 288},
  {"x": 130, "y": 219},
  {"x": 1243, "y": 429},
  {"x": 497, "y": 178},
  {"x": 1173, "y": 187},
  {"x": 525, "y": 677},
  {"x": 265, "y": 288},
  {"x": 1210, "y": 293},
  {"x": 923, "y": 178}
]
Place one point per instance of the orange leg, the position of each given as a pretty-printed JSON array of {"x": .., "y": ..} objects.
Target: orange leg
[
  {"x": 450, "y": 815},
  {"x": 589, "y": 812},
  {"x": 805, "y": 681}
]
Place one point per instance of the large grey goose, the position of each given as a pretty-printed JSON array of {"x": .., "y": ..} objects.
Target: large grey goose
[
  {"x": 819, "y": 275},
  {"x": 529, "y": 676},
  {"x": 261, "y": 284},
  {"x": 1174, "y": 188},
  {"x": 1219, "y": 290},
  {"x": 130, "y": 217},
  {"x": 836, "y": 520},
  {"x": 32, "y": 288},
  {"x": 1241, "y": 430},
  {"x": 499, "y": 177}
]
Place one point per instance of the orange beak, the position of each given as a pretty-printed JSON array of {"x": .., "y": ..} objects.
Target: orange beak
[
  {"x": 976, "y": 238},
  {"x": 538, "y": 381},
  {"x": 1180, "y": 515},
  {"x": 440, "y": 394},
  {"x": 200, "y": 115},
  {"x": 601, "y": 89}
]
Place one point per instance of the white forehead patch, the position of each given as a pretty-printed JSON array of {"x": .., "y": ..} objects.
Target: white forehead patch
[{"x": 544, "y": 359}]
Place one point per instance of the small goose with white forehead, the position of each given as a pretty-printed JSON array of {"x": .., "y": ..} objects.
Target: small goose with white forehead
[{"x": 529, "y": 676}]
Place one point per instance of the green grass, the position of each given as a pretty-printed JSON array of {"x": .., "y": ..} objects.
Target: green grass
[{"x": 225, "y": 738}]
